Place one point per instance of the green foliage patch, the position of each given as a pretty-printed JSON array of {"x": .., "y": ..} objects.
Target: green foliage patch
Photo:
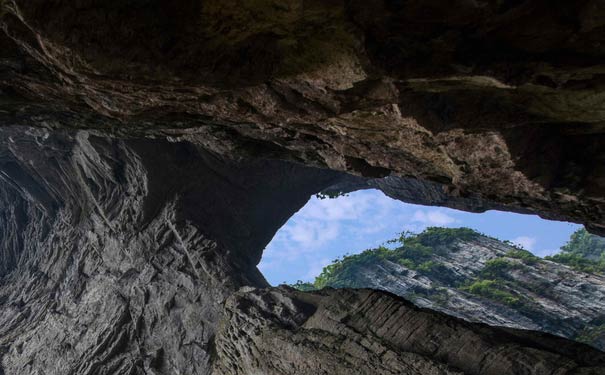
[
  {"x": 586, "y": 244},
  {"x": 498, "y": 281},
  {"x": 436, "y": 236},
  {"x": 524, "y": 255},
  {"x": 342, "y": 272},
  {"x": 578, "y": 262},
  {"x": 498, "y": 268},
  {"x": 591, "y": 334},
  {"x": 584, "y": 252},
  {"x": 331, "y": 195},
  {"x": 415, "y": 251},
  {"x": 303, "y": 286},
  {"x": 445, "y": 236},
  {"x": 494, "y": 290}
]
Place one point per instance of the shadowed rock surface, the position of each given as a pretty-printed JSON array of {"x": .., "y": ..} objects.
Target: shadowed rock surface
[
  {"x": 117, "y": 259},
  {"x": 281, "y": 330},
  {"x": 144, "y": 146},
  {"x": 500, "y": 103},
  {"x": 117, "y": 255}
]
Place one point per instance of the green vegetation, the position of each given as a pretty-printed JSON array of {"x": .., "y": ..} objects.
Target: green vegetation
[
  {"x": 494, "y": 290},
  {"x": 415, "y": 251},
  {"x": 343, "y": 272},
  {"x": 591, "y": 334},
  {"x": 495, "y": 282},
  {"x": 303, "y": 286},
  {"x": 524, "y": 255},
  {"x": 498, "y": 268},
  {"x": 578, "y": 263},
  {"x": 585, "y": 244},
  {"x": 584, "y": 252},
  {"x": 331, "y": 194},
  {"x": 435, "y": 236},
  {"x": 506, "y": 280},
  {"x": 428, "y": 267},
  {"x": 420, "y": 252}
]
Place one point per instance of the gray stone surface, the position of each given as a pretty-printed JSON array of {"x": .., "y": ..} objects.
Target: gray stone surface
[
  {"x": 283, "y": 331},
  {"x": 556, "y": 299},
  {"x": 118, "y": 256},
  {"x": 499, "y": 105},
  {"x": 122, "y": 237}
]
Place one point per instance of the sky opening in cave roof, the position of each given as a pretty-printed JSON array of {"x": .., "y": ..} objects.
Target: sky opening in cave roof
[{"x": 325, "y": 229}]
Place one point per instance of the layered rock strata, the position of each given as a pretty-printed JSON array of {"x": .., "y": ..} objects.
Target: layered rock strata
[
  {"x": 500, "y": 103},
  {"x": 283, "y": 331}
]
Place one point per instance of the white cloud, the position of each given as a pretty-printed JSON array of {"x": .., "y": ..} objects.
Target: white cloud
[
  {"x": 266, "y": 265},
  {"x": 316, "y": 234},
  {"x": 371, "y": 228},
  {"x": 432, "y": 217},
  {"x": 351, "y": 207},
  {"x": 525, "y": 242},
  {"x": 545, "y": 252},
  {"x": 315, "y": 268},
  {"x": 311, "y": 234}
]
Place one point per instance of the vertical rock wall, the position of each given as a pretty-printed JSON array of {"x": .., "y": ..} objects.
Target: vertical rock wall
[{"x": 118, "y": 254}]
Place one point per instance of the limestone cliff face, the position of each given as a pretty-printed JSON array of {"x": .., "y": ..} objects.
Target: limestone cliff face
[
  {"x": 150, "y": 149},
  {"x": 512, "y": 288}
]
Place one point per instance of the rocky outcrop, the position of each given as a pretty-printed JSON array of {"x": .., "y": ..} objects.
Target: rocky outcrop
[
  {"x": 117, "y": 259},
  {"x": 482, "y": 279},
  {"x": 500, "y": 103},
  {"x": 117, "y": 254},
  {"x": 283, "y": 331},
  {"x": 150, "y": 149}
]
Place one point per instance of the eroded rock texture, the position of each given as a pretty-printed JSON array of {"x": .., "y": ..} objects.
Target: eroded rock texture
[
  {"x": 117, "y": 255},
  {"x": 526, "y": 292},
  {"x": 144, "y": 145},
  {"x": 283, "y": 331},
  {"x": 500, "y": 102}
]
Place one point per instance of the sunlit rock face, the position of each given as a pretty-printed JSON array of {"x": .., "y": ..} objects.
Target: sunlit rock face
[
  {"x": 481, "y": 279},
  {"x": 144, "y": 147}
]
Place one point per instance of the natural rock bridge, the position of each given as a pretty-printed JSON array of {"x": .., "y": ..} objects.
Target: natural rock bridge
[{"x": 150, "y": 150}]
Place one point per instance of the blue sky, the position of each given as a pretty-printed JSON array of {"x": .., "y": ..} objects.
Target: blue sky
[{"x": 326, "y": 229}]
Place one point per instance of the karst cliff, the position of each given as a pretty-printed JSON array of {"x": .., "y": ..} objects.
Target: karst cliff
[{"x": 478, "y": 278}]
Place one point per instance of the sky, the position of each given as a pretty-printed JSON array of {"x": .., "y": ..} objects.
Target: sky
[{"x": 325, "y": 229}]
